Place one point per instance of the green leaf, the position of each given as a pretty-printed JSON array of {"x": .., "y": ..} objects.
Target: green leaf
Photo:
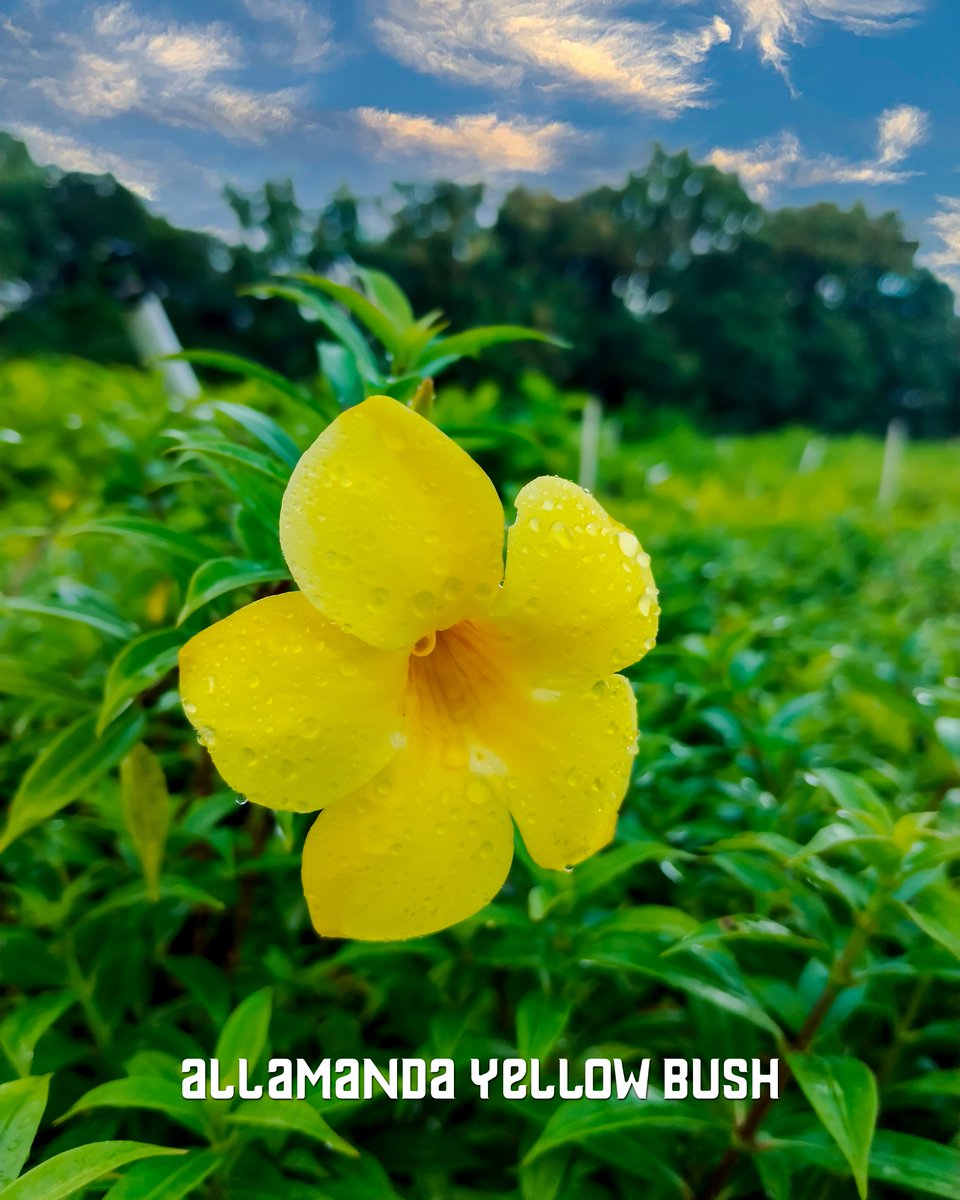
[
  {"x": 221, "y": 575},
  {"x": 609, "y": 953},
  {"x": 743, "y": 927},
  {"x": 25, "y": 1026},
  {"x": 604, "y": 868},
  {"x": 336, "y": 321},
  {"x": 339, "y": 367},
  {"x": 244, "y": 1035},
  {"x": 142, "y": 531},
  {"x": 469, "y": 344},
  {"x": 235, "y": 364},
  {"x": 145, "y": 804},
  {"x": 149, "y": 1092},
  {"x": 79, "y": 610},
  {"x": 265, "y": 429},
  {"x": 69, "y": 764},
  {"x": 379, "y": 324},
  {"x": 857, "y": 799},
  {"x": 21, "y": 1108},
  {"x": 843, "y": 1094},
  {"x": 207, "y": 446},
  {"x": 936, "y": 909},
  {"x": 165, "y": 1179},
  {"x": 540, "y": 1022},
  {"x": 18, "y": 677},
  {"x": 139, "y": 665},
  {"x": 580, "y": 1120},
  {"x": 899, "y": 1159},
  {"x": 388, "y": 296},
  {"x": 67, "y": 1173},
  {"x": 292, "y": 1116}
]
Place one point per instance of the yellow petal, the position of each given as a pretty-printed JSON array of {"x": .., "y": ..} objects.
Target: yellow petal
[
  {"x": 569, "y": 756},
  {"x": 578, "y": 600},
  {"x": 295, "y": 712},
  {"x": 391, "y": 529},
  {"x": 415, "y": 850}
]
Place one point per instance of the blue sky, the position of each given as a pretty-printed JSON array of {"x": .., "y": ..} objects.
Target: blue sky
[{"x": 805, "y": 99}]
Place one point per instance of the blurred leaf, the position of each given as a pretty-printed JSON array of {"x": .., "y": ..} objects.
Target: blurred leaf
[
  {"x": 857, "y": 798},
  {"x": 81, "y": 611},
  {"x": 143, "y": 531},
  {"x": 22, "y": 1028},
  {"x": 221, "y": 575},
  {"x": 139, "y": 665},
  {"x": 158, "y": 1179},
  {"x": 235, "y": 364},
  {"x": 899, "y": 1159},
  {"x": 541, "y": 1020},
  {"x": 21, "y": 1109},
  {"x": 339, "y": 367},
  {"x": 472, "y": 342},
  {"x": 145, "y": 804},
  {"x": 387, "y": 295},
  {"x": 580, "y": 1120},
  {"x": 244, "y": 1035},
  {"x": 209, "y": 446},
  {"x": 290, "y": 1116},
  {"x": 70, "y": 1172},
  {"x": 70, "y": 763},
  {"x": 936, "y": 909},
  {"x": 147, "y": 1092},
  {"x": 843, "y": 1094},
  {"x": 265, "y": 429},
  {"x": 743, "y": 927},
  {"x": 21, "y": 678},
  {"x": 380, "y": 325}
]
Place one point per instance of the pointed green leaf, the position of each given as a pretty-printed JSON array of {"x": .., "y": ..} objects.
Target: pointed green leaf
[
  {"x": 79, "y": 610},
  {"x": 541, "y": 1021},
  {"x": 165, "y": 1178},
  {"x": 21, "y": 1108},
  {"x": 293, "y": 1116},
  {"x": 139, "y": 665},
  {"x": 68, "y": 1173},
  {"x": 388, "y": 296},
  {"x": 472, "y": 342},
  {"x": 148, "y": 1092},
  {"x": 244, "y": 1035},
  {"x": 936, "y": 909},
  {"x": 235, "y": 364},
  {"x": 221, "y": 575},
  {"x": 141, "y": 530},
  {"x": 74, "y": 760},
  {"x": 379, "y": 324},
  {"x": 25, "y": 1026},
  {"x": 843, "y": 1094},
  {"x": 265, "y": 429}
]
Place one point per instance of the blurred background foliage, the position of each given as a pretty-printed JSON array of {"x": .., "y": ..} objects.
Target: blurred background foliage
[
  {"x": 676, "y": 290},
  {"x": 782, "y": 881}
]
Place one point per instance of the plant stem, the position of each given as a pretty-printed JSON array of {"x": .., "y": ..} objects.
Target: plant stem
[{"x": 840, "y": 977}]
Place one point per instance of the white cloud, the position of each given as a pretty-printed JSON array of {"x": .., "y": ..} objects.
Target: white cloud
[
  {"x": 172, "y": 72},
  {"x": 480, "y": 143},
  {"x": 301, "y": 34},
  {"x": 60, "y": 149},
  {"x": 781, "y": 160},
  {"x": 775, "y": 24},
  {"x": 946, "y": 225},
  {"x": 555, "y": 43}
]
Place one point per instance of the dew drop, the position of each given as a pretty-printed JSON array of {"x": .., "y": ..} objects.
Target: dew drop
[
  {"x": 628, "y": 542},
  {"x": 561, "y": 535},
  {"x": 424, "y": 602}
]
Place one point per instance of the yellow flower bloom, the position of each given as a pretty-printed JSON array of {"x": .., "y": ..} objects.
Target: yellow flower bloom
[{"x": 416, "y": 693}]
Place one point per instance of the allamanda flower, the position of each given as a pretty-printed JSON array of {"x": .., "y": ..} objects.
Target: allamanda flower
[{"x": 419, "y": 695}]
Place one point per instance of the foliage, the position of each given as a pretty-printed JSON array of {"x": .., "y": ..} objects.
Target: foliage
[
  {"x": 674, "y": 288},
  {"x": 780, "y": 881}
]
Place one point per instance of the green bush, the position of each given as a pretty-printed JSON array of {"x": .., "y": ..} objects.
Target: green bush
[{"x": 779, "y": 882}]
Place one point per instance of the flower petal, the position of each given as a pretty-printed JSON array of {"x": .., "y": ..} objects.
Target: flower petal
[
  {"x": 415, "y": 850},
  {"x": 391, "y": 529},
  {"x": 295, "y": 712},
  {"x": 569, "y": 756},
  {"x": 578, "y": 600}
]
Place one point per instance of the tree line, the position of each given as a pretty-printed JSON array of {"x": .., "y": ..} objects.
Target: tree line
[{"x": 675, "y": 289}]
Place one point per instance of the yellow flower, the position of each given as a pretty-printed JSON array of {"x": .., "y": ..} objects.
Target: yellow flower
[{"x": 416, "y": 693}]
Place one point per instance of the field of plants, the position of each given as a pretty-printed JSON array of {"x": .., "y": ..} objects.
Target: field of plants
[{"x": 779, "y": 883}]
